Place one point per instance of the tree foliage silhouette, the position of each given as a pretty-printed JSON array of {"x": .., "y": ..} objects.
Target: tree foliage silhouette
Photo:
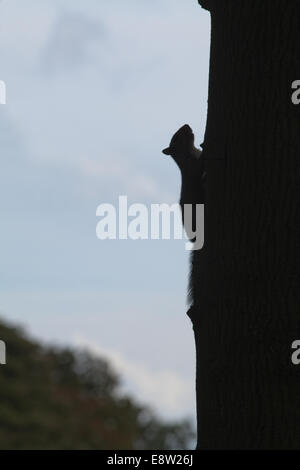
[{"x": 53, "y": 398}]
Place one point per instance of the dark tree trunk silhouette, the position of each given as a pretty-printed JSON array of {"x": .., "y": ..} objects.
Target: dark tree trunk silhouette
[{"x": 246, "y": 280}]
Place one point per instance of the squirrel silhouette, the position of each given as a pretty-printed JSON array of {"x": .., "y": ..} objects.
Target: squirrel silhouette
[
  {"x": 193, "y": 178},
  {"x": 190, "y": 163}
]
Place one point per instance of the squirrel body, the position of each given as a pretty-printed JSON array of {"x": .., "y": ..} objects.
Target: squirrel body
[{"x": 189, "y": 160}]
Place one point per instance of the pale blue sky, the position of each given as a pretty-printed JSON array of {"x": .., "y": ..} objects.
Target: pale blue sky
[{"x": 94, "y": 92}]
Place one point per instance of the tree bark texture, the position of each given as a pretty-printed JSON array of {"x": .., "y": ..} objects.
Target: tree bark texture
[{"x": 246, "y": 279}]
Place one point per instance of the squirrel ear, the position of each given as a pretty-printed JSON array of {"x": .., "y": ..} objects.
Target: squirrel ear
[{"x": 167, "y": 151}]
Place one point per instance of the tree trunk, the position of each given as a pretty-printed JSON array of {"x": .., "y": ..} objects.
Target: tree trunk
[{"x": 246, "y": 280}]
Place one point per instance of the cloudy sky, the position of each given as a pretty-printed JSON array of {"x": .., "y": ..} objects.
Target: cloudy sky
[{"x": 94, "y": 92}]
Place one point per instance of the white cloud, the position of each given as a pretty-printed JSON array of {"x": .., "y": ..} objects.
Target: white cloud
[
  {"x": 165, "y": 389},
  {"x": 117, "y": 173}
]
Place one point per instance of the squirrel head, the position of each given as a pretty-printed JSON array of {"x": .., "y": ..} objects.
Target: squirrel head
[{"x": 181, "y": 145}]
